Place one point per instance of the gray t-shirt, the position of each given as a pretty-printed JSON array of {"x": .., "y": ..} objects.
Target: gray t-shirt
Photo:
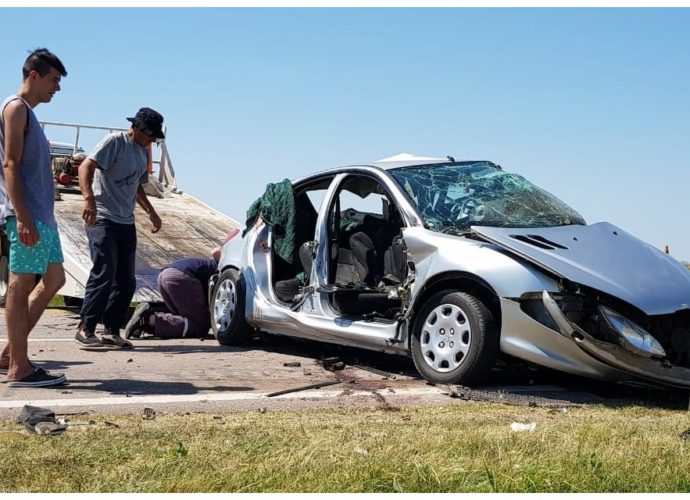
[{"x": 122, "y": 168}]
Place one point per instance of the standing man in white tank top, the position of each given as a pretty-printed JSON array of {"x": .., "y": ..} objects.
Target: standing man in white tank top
[{"x": 27, "y": 198}]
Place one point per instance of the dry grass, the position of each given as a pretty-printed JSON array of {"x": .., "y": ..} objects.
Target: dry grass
[{"x": 459, "y": 448}]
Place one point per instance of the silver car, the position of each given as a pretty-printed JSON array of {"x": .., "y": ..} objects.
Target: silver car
[{"x": 451, "y": 262}]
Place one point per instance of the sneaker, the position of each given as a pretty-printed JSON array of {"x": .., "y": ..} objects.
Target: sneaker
[
  {"x": 139, "y": 322},
  {"x": 115, "y": 341},
  {"x": 39, "y": 378},
  {"x": 88, "y": 341}
]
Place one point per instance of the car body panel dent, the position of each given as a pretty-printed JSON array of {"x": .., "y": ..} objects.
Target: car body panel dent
[{"x": 603, "y": 257}]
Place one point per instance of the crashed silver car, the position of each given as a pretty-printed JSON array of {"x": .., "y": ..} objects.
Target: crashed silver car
[{"x": 451, "y": 263}]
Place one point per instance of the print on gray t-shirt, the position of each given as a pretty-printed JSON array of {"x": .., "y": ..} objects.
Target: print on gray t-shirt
[{"x": 122, "y": 167}]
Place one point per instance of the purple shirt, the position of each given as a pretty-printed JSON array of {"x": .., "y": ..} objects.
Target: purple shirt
[{"x": 197, "y": 267}]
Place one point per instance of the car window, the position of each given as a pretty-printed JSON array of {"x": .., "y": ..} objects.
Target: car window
[
  {"x": 451, "y": 197},
  {"x": 361, "y": 197},
  {"x": 316, "y": 197},
  {"x": 372, "y": 204}
]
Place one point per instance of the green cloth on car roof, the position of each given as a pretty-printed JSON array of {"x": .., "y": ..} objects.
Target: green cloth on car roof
[{"x": 277, "y": 207}]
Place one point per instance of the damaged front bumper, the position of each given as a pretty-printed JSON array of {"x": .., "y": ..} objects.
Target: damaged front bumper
[{"x": 644, "y": 360}]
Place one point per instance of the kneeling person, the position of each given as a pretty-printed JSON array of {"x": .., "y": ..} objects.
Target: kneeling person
[{"x": 184, "y": 287}]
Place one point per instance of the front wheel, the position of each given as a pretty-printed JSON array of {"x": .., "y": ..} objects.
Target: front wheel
[
  {"x": 227, "y": 309},
  {"x": 455, "y": 339}
]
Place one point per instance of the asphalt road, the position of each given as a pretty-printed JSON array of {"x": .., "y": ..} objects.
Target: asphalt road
[
  {"x": 195, "y": 375},
  {"x": 191, "y": 375}
]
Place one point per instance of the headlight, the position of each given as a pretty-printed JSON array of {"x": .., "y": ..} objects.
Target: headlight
[{"x": 633, "y": 337}]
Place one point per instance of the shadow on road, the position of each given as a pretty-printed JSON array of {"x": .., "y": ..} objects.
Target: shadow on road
[{"x": 129, "y": 387}]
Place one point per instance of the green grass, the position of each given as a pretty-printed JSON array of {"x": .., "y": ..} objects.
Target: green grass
[
  {"x": 459, "y": 448},
  {"x": 57, "y": 301}
]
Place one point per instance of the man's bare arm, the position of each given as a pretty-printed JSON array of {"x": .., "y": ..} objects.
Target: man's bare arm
[
  {"x": 86, "y": 172},
  {"x": 144, "y": 203},
  {"x": 15, "y": 116}
]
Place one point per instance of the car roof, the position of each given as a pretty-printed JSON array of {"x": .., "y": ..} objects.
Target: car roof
[
  {"x": 408, "y": 160},
  {"x": 392, "y": 162}
]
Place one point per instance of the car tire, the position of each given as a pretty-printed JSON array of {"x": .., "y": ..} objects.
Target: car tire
[
  {"x": 454, "y": 339},
  {"x": 227, "y": 309}
]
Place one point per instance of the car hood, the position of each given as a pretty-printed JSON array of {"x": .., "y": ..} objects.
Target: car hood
[{"x": 603, "y": 257}]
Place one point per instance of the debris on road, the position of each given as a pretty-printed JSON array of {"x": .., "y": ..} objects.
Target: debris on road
[
  {"x": 39, "y": 420},
  {"x": 385, "y": 375},
  {"x": 52, "y": 428},
  {"x": 332, "y": 364},
  {"x": 292, "y": 364},
  {"x": 303, "y": 388},
  {"x": 149, "y": 414},
  {"x": 512, "y": 396}
]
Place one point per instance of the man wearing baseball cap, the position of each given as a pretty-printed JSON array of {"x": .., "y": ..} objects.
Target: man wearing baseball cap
[{"x": 111, "y": 180}]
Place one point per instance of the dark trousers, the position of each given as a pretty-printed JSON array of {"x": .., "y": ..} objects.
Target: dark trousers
[
  {"x": 185, "y": 297},
  {"x": 111, "y": 283}
]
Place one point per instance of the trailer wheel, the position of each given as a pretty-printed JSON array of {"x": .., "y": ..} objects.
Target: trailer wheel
[{"x": 227, "y": 309}]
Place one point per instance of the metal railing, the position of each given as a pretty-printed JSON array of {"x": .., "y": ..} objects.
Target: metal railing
[{"x": 166, "y": 172}]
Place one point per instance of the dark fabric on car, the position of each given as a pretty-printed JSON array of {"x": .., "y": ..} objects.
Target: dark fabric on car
[{"x": 277, "y": 207}]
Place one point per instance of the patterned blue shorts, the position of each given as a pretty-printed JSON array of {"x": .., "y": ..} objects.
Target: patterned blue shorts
[{"x": 35, "y": 259}]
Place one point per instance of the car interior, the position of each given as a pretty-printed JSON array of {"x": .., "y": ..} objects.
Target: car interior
[
  {"x": 366, "y": 252},
  {"x": 367, "y": 258}
]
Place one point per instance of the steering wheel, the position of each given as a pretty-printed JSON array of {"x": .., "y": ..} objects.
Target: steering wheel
[{"x": 468, "y": 208}]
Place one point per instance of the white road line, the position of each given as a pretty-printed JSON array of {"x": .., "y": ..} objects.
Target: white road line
[
  {"x": 191, "y": 398},
  {"x": 45, "y": 340}
]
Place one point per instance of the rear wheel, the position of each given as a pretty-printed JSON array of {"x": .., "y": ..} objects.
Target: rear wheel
[
  {"x": 455, "y": 339},
  {"x": 227, "y": 309}
]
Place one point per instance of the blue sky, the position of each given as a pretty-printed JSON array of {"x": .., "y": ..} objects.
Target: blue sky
[{"x": 591, "y": 104}]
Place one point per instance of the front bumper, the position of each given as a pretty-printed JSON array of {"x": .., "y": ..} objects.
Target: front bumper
[{"x": 659, "y": 371}]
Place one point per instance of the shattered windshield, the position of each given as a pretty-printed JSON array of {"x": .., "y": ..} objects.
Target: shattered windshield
[{"x": 452, "y": 197}]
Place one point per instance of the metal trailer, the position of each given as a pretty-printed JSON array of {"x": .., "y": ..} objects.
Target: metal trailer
[{"x": 190, "y": 227}]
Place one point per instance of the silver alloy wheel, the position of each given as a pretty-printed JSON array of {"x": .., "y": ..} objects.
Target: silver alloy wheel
[
  {"x": 445, "y": 338},
  {"x": 224, "y": 305}
]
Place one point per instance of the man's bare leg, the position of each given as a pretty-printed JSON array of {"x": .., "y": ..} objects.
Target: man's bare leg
[{"x": 31, "y": 306}]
